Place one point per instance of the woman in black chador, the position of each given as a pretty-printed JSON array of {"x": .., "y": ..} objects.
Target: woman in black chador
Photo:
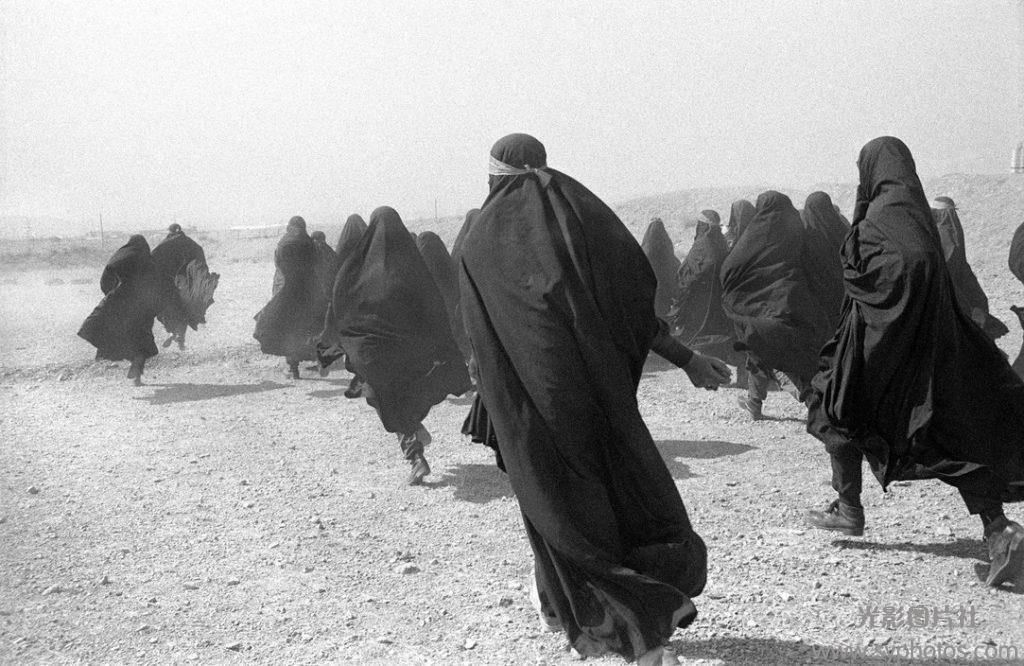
[
  {"x": 439, "y": 263},
  {"x": 909, "y": 381},
  {"x": 285, "y": 326},
  {"x": 657, "y": 245},
  {"x": 558, "y": 300},
  {"x": 969, "y": 294},
  {"x": 388, "y": 316},
  {"x": 182, "y": 261},
  {"x": 121, "y": 326},
  {"x": 766, "y": 291},
  {"x": 698, "y": 319}
]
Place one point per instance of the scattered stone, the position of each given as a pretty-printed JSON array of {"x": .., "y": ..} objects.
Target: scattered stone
[
  {"x": 732, "y": 484},
  {"x": 406, "y": 569},
  {"x": 53, "y": 589},
  {"x": 191, "y": 586},
  {"x": 33, "y": 490},
  {"x": 505, "y": 602},
  {"x": 307, "y": 569},
  {"x": 143, "y": 628},
  {"x": 105, "y": 580},
  {"x": 943, "y": 530},
  {"x": 234, "y": 646},
  {"x": 469, "y": 644},
  {"x": 514, "y": 585},
  {"x": 233, "y": 582},
  {"x": 243, "y": 482},
  {"x": 785, "y": 596}
]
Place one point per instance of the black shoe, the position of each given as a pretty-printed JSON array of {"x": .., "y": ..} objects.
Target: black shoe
[
  {"x": 355, "y": 388},
  {"x": 839, "y": 517},
  {"x": 751, "y": 407},
  {"x": 420, "y": 469},
  {"x": 1005, "y": 551}
]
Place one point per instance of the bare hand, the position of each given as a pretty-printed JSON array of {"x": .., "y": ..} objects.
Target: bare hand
[{"x": 707, "y": 372}]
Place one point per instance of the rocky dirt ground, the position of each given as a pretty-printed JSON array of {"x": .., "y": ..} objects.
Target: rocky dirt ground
[{"x": 225, "y": 514}]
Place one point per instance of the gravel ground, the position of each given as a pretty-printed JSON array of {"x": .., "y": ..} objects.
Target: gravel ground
[{"x": 225, "y": 514}]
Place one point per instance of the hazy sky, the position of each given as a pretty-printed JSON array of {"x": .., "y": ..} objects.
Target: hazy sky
[{"x": 221, "y": 112}]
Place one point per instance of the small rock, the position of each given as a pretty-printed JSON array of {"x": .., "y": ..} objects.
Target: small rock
[
  {"x": 785, "y": 596},
  {"x": 732, "y": 484},
  {"x": 243, "y": 482},
  {"x": 33, "y": 490},
  {"x": 307, "y": 569},
  {"x": 105, "y": 580},
  {"x": 234, "y": 646},
  {"x": 405, "y": 569},
  {"x": 143, "y": 627},
  {"x": 514, "y": 585},
  {"x": 505, "y": 602},
  {"x": 191, "y": 586},
  {"x": 943, "y": 530},
  {"x": 53, "y": 589},
  {"x": 469, "y": 644},
  {"x": 233, "y": 582}
]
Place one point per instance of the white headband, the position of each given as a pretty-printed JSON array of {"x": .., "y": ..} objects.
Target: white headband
[{"x": 498, "y": 168}]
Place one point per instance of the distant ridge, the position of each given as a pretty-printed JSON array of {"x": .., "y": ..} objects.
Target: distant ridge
[{"x": 991, "y": 208}]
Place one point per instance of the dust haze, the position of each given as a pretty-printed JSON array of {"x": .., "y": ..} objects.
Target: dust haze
[{"x": 231, "y": 113}]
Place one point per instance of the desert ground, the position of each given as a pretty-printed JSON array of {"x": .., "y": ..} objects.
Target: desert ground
[{"x": 223, "y": 513}]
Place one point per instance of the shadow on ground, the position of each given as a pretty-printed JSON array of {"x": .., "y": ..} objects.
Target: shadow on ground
[
  {"x": 739, "y": 650},
  {"x": 968, "y": 549},
  {"x": 475, "y": 483},
  {"x": 675, "y": 448},
  {"x": 171, "y": 393}
]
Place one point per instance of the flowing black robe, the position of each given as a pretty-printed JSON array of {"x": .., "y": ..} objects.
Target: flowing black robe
[
  {"x": 348, "y": 239},
  {"x": 558, "y": 299},
  {"x": 388, "y": 315},
  {"x": 121, "y": 326},
  {"x": 825, "y": 232},
  {"x": 284, "y": 325},
  {"x": 439, "y": 263},
  {"x": 740, "y": 214},
  {"x": 909, "y": 379},
  {"x": 657, "y": 246},
  {"x": 765, "y": 290},
  {"x": 325, "y": 269},
  {"x": 182, "y": 261},
  {"x": 969, "y": 294},
  {"x": 1016, "y": 259},
  {"x": 699, "y": 320},
  {"x": 460, "y": 238}
]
